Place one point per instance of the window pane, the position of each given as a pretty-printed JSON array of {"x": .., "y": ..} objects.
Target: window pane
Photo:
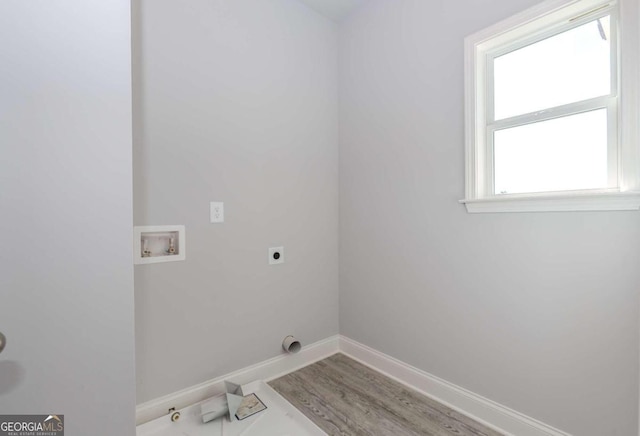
[
  {"x": 566, "y": 68},
  {"x": 562, "y": 154}
]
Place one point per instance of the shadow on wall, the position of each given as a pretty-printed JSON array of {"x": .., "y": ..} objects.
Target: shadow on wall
[{"x": 11, "y": 376}]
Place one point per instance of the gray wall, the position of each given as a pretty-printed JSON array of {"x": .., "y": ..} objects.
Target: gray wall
[
  {"x": 236, "y": 102},
  {"x": 536, "y": 311},
  {"x": 66, "y": 273}
]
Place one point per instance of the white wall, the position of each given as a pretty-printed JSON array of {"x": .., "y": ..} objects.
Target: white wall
[
  {"x": 536, "y": 311},
  {"x": 236, "y": 102},
  {"x": 66, "y": 274}
]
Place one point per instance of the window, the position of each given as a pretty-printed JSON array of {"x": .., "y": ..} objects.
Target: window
[{"x": 549, "y": 110}]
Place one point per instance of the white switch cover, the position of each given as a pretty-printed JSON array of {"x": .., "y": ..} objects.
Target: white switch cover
[
  {"x": 217, "y": 212},
  {"x": 276, "y": 255}
]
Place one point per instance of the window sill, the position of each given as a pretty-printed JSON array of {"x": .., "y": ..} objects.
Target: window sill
[{"x": 555, "y": 203}]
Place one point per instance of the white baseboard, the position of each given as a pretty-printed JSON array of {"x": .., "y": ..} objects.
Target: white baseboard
[
  {"x": 267, "y": 370},
  {"x": 490, "y": 413}
]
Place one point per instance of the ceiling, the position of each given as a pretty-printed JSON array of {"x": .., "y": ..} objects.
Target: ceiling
[{"x": 335, "y": 10}]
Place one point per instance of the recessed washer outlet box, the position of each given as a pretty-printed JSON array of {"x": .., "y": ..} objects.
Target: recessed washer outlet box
[{"x": 156, "y": 244}]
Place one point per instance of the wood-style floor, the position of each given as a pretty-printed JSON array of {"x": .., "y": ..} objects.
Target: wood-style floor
[{"x": 344, "y": 397}]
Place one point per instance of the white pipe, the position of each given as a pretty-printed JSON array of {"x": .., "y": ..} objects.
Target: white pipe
[{"x": 291, "y": 344}]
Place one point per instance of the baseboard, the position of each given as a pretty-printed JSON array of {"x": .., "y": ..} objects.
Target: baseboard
[
  {"x": 481, "y": 409},
  {"x": 267, "y": 370},
  {"x": 490, "y": 413}
]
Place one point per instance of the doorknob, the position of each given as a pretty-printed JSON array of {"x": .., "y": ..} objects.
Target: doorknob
[{"x": 3, "y": 341}]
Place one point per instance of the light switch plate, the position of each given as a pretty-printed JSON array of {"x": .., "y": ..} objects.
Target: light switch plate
[{"x": 217, "y": 212}]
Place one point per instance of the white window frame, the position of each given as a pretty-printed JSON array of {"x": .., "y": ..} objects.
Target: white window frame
[{"x": 543, "y": 20}]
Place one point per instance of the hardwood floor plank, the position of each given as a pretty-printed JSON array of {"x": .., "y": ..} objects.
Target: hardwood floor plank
[
  {"x": 346, "y": 398},
  {"x": 335, "y": 410},
  {"x": 373, "y": 402},
  {"x": 414, "y": 404}
]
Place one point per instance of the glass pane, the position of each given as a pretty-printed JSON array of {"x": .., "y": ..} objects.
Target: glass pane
[
  {"x": 562, "y": 154},
  {"x": 566, "y": 68}
]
